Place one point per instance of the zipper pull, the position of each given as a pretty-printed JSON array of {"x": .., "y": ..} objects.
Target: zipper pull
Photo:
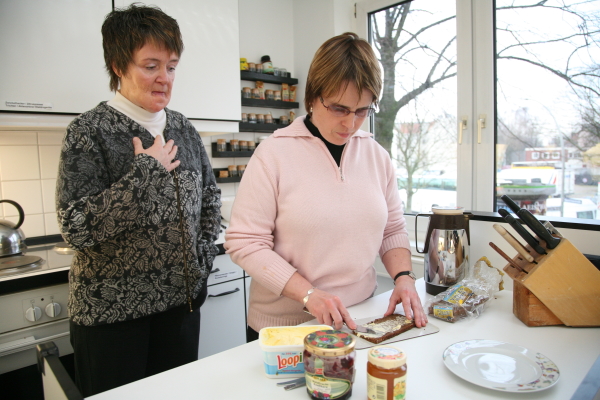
[{"x": 341, "y": 173}]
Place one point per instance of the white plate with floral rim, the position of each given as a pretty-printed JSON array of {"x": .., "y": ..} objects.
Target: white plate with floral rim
[{"x": 501, "y": 366}]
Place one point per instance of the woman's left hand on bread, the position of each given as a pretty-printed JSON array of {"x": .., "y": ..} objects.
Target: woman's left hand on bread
[{"x": 406, "y": 293}]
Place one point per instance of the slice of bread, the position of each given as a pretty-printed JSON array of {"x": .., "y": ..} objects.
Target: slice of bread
[{"x": 386, "y": 328}]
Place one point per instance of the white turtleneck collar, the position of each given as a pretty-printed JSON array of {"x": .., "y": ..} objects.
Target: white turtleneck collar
[{"x": 154, "y": 122}]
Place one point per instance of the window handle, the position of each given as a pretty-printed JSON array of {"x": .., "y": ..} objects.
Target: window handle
[
  {"x": 480, "y": 126},
  {"x": 462, "y": 125}
]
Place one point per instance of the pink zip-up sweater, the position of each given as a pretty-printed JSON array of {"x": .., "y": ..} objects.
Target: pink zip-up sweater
[{"x": 295, "y": 210}]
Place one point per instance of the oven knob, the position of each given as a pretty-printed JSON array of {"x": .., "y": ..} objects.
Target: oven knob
[
  {"x": 33, "y": 313},
  {"x": 53, "y": 310}
]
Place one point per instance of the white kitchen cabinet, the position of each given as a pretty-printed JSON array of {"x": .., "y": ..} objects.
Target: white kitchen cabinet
[
  {"x": 52, "y": 57},
  {"x": 223, "y": 314},
  {"x": 207, "y": 78}
]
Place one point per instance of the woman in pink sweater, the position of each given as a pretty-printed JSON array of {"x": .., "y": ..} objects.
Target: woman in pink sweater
[{"x": 319, "y": 200}]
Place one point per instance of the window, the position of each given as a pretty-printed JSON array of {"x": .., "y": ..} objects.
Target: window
[{"x": 501, "y": 97}]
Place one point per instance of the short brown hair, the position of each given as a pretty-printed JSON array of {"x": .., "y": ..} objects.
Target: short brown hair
[
  {"x": 127, "y": 30},
  {"x": 340, "y": 60}
]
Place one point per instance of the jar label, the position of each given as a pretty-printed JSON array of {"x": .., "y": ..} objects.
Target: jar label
[
  {"x": 376, "y": 388},
  {"x": 321, "y": 386},
  {"x": 400, "y": 388}
]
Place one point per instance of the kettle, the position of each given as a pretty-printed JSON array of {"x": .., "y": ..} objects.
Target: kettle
[
  {"x": 12, "y": 239},
  {"x": 446, "y": 248}
]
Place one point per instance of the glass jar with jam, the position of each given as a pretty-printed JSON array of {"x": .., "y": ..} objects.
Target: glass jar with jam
[
  {"x": 386, "y": 373},
  {"x": 329, "y": 364}
]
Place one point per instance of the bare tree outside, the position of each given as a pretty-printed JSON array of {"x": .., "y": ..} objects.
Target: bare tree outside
[{"x": 556, "y": 41}]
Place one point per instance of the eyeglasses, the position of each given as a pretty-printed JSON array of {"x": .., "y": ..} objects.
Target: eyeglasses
[{"x": 340, "y": 111}]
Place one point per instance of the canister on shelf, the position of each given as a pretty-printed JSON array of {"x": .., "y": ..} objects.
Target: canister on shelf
[
  {"x": 267, "y": 65},
  {"x": 292, "y": 116},
  {"x": 251, "y": 145},
  {"x": 260, "y": 85},
  {"x": 292, "y": 93},
  {"x": 268, "y": 118},
  {"x": 235, "y": 145},
  {"x": 244, "y": 145},
  {"x": 232, "y": 170},
  {"x": 240, "y": 170},
  {"x": 244, "y": 118},
  {"x": 276, "y": 71},
  {"x": 285, "y": 92},
  {"x": 223, "y": 174},
  {"x": 386, "y": 373},
  {"x": 277, "y": 95},
  {"x": 252, "y": 118},
  {"x": 256, "y": 93},
  {"x": 259, "y": 68},
  {"x": 246, "y": 93},
  {"x": 269, "y": 94},
  {"x": 243, "y": 64},
  {"x": 251, "y": 67},
  {"x": 221, "y": 145},
  {"x": 283, "y": 120},
  {"x": 260, "y": 118},
  {"x": 283, "y": 72},
  {"x": 329, "y": 364}
]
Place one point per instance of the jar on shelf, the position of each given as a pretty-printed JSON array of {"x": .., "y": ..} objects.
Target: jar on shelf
[
  {"x": 259, "y": 68},
  {"x": 244, "y": 118},
  {"x": 243, "y": 64},
  {"x": 251, "y": 67},
  {"x": 256, "y": 93},
  {"x": 329, "y": 364},
  {"x": 223, "y": 174},
  {"x": 251, "y": 145},
  {"x": 386, "y": 373},
  {"x": 252, "y": 118},
  {"x": 221, "y": 145},
  {"x": 268, "y": 118},
  {"x": 235, "y": 145},
  {"x": 240, "y": 170},
  {"x": 277, "y": 95},
  {"x": 232, "y": 170},
  {"x": 276, "y": 71},
  {"x": 246, "y": 93},
  {"x": 283, "y": 72},
  {"x": 260, "y": 118},
  {"x": 292, "y": 116},
  {"x": 243, "y": 145},
  {"x": 267, "y": 65},
  {"x": 269, "y": 94},
  {"x": 283, "y": 120}
]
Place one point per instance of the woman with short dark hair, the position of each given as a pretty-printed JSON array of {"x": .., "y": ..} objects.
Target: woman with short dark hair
[
  {"x": 137, "y": 200},
  {"x": 318, "y": 202}
]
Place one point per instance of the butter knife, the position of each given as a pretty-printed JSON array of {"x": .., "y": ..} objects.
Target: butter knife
[{"x": 359, "y": 328}]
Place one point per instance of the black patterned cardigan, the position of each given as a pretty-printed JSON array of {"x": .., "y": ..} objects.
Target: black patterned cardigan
[{"x": 120, "y": 212}]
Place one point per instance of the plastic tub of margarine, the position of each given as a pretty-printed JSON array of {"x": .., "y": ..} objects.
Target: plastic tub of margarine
[{"x": 283, "y": 348}]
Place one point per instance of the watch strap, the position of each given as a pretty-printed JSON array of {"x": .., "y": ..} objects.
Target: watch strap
[{"x": 409, "y": 273}]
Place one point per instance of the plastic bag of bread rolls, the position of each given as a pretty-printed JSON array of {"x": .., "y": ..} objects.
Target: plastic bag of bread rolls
[{"x": 468, "y": 298}]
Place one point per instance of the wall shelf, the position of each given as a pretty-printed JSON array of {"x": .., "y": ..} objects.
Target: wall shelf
[
  {"x": 256, "y": 76},
  {"x": 228, "y": 153},
  {"x": 260, "y": 128},
  {"x": 269, "y": 103},
  {"x": 231, "y": 179}
]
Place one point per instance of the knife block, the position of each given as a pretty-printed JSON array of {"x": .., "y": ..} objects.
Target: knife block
[{"x": 562, "y": 288}]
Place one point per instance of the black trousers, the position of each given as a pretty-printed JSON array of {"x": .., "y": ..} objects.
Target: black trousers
[{"x": 112, "y": 355}]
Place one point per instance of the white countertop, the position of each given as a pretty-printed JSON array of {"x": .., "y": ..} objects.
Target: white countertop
[{"x": 239, "y": 373}]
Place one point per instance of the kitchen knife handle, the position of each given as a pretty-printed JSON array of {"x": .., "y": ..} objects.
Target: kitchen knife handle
[
  {"x": 538, "y": 228},
  {"x": 513, "y": 242},
  {"x": 522, "y": 231},
  {"x": 510, "y": 203}
]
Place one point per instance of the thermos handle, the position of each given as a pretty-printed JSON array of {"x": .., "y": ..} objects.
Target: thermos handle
[
  {"x": 426, "y": 237},
  {"x": 21, "y": 212}
]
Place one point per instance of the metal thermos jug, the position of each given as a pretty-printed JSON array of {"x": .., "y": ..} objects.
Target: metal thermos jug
[{"x": 446, "y": 248}]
